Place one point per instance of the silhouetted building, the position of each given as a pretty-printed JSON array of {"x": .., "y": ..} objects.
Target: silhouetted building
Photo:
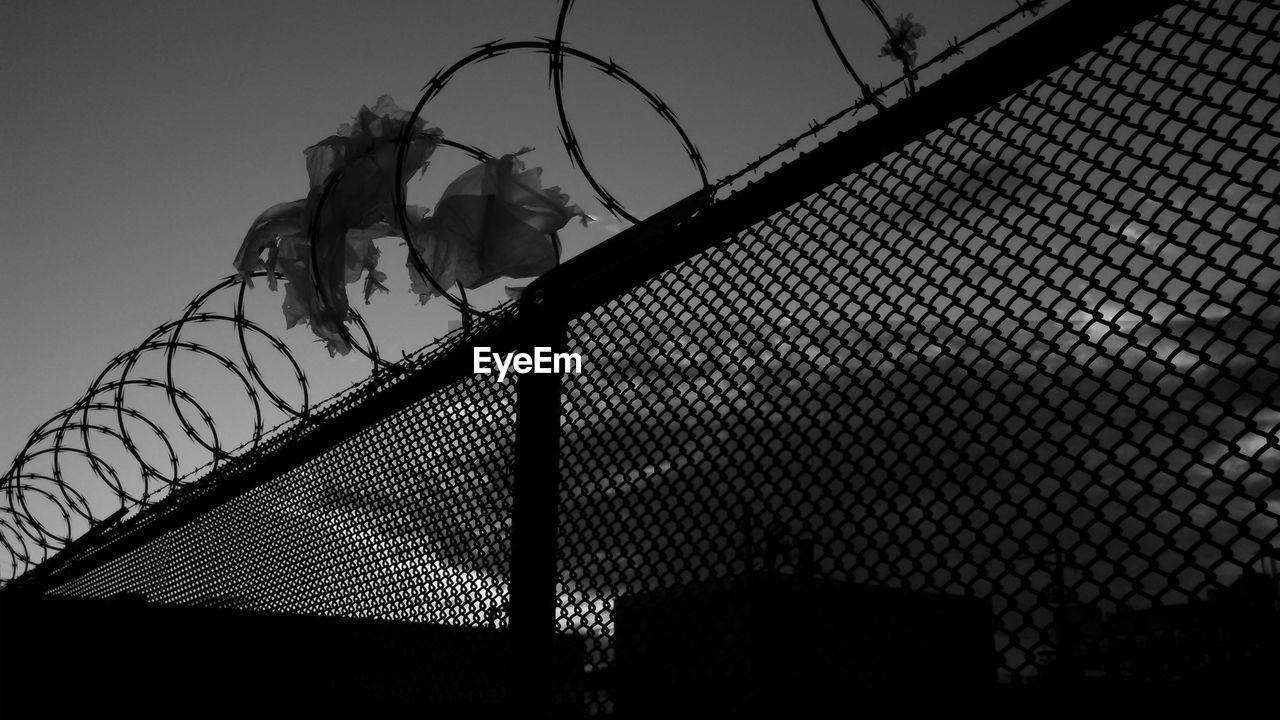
[
  {"x": 773, "y": 643},
  {"x": 1230, "y": 636}
]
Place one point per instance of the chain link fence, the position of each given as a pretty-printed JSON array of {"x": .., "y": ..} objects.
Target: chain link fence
[
  {"x": 1029, "y": 359},
  {"x": 997, "y": 406}
]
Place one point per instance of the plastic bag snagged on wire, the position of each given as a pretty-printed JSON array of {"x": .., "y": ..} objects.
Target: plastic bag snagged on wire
[
  {"x": 494, "y": 220},
  {"x": 363, "y": 156},
  {"x": 354, "y": 173}
]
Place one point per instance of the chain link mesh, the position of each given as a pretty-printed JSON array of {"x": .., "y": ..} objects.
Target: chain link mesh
[
  {"x": 407, "y": 520},
  {"x": 1030, "y": 359}
]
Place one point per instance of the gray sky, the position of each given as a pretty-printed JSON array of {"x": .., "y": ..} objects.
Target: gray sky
[{"x": 142, "y": 138}]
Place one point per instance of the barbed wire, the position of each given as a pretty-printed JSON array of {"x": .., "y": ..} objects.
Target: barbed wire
[
  {"x": 875, "y": 96},
  {"x": 43, "y": 509}
]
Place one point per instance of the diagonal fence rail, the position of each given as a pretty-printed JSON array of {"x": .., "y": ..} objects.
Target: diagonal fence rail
[{"x": 982, "y": 391}]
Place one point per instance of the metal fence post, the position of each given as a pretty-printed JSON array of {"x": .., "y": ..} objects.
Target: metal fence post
[{"x": 533, "y": 531}]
